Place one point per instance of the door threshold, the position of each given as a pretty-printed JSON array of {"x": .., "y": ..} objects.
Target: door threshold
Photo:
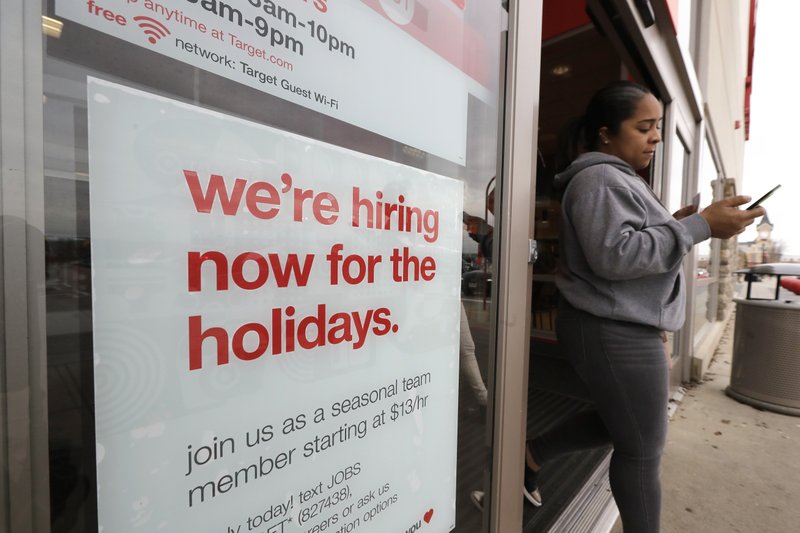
[{"x": 593, "y": 509}]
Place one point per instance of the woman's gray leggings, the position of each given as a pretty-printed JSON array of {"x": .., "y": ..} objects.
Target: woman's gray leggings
[{"x": 625, "y": 370}]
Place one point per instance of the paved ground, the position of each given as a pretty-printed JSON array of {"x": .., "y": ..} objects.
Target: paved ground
[{"x": 729, "y": 467}]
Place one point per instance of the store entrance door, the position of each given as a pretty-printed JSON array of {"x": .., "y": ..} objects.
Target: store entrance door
[{"x": 246, "y": 235}]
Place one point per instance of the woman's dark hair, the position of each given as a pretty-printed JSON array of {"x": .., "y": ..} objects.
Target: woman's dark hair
[{"x": 609, "y": 107}]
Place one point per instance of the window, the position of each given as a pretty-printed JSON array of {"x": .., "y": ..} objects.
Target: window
[
  {"x": 115, "y": 397},
  {"x": 677, "y": 173},
  {"x": 685, "y": 20},
  {"x": 707, "y": 265}
]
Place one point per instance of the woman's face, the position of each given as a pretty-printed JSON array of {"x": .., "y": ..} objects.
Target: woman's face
[{"x": 636, "y": 141}]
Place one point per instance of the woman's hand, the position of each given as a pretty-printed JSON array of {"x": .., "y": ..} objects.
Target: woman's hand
[{"x": 726, "y": 220}]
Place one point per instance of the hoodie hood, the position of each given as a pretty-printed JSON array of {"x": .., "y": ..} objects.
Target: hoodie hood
[{"x": 587, "y": 160}]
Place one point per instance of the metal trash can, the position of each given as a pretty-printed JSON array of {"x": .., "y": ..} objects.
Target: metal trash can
[{"x": 765, "y": 368}]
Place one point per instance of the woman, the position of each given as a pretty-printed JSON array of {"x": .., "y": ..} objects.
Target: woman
[{"x": 621, "y": 288}]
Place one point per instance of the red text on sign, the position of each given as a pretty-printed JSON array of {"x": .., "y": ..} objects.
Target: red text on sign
[
  {"x": 284, "y": 270},
  {"x": 406, "y": 267},
  {"x": 382, "y": 215},
  {"x": 262, "y": 198},
  {"x": 285, "y": 333},
  {"x": 325, "y": 207},
  {"x": 107, "y": 14},
  {"x": 353, "y": 268}
]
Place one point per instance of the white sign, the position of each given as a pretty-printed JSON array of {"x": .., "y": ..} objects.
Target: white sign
[
  {"x": 347, "y": 60},
  {"x": 276, "y": 325}
]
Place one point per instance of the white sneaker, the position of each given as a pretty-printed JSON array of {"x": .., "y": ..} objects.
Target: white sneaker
[
  {"x": 534, "y": 496},
  {"x": 477, "y": 499},
  {"x": 530, "y": 487}
]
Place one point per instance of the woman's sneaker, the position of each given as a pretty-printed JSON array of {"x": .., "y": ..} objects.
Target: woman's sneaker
[
  {"x": 531, "y": 487},
  {"x": 476, "y": 496}
]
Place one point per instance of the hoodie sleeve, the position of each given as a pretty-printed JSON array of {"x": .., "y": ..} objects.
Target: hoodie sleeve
[{"x": 618, "y": 239}]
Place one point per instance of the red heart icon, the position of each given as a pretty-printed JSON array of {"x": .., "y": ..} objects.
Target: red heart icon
[{"x": 428, "y": 516}]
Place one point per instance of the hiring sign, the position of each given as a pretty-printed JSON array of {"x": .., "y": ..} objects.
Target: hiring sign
[{"x": 276, "y": 325}]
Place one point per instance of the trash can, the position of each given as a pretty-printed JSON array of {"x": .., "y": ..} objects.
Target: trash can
[{"x": 765, "y": 367}]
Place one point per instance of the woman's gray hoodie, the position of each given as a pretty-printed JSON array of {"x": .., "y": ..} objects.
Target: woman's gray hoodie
[{"x": 621, "y": 250}]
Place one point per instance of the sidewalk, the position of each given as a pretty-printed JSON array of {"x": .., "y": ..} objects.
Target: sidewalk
[{"x": 729, "y": 467}]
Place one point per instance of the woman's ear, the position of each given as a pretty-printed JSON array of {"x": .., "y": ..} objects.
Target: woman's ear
[{"x": 603, "y": 135}]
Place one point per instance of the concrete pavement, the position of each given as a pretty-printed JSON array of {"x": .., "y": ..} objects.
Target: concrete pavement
[{"x": 729, "y": 467}]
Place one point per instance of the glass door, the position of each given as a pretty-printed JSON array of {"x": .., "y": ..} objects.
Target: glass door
[{"x": 269, "y": 268}]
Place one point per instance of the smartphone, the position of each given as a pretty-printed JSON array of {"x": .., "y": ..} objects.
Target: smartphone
[
  {"x": 758, "y": 202},
  {"x": 696, "y": 201}
]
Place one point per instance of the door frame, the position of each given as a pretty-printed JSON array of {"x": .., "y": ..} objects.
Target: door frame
[
  {"x": 514, "y": 269},
  {"x": 25, "y": 482}
]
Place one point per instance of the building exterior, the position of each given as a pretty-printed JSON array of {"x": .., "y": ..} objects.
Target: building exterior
[
  {"x": 245, "y": 252},
  {"x": 763, "y": 249}
]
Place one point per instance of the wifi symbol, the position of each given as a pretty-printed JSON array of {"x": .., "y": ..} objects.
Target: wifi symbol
[{"x": 152, "y": 28}]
